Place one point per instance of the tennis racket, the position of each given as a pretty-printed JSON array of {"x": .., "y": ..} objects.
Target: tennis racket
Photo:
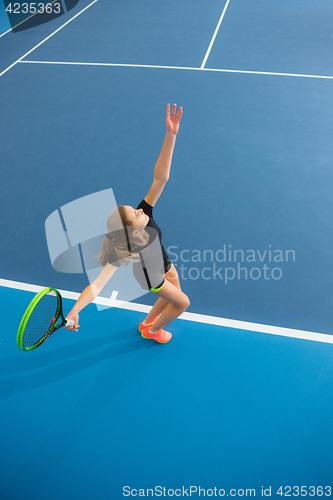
[{"x": 40, "y": 319}]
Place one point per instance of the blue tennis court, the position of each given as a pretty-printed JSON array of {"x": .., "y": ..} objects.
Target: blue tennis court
[{"x": 239, "y": 403}]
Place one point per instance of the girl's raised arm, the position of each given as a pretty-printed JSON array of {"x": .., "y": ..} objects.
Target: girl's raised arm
[{"x": 163, "y": 164}]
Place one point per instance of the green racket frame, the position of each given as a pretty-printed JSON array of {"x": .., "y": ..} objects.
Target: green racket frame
[{"x": 53, "y": 327}]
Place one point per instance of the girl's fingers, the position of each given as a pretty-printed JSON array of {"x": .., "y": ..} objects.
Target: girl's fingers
[
  {"x": 179, "y": 114},
  {"x": 73, "y": 328}
]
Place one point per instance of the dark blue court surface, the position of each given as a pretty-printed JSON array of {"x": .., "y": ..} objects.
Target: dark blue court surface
[
  {"x": 251, "y": 172},
  {"x": 246, "y": 218},
  {"x": 284, "y": 36}
]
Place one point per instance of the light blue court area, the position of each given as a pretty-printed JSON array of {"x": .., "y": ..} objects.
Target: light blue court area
[{"x": 217, "y": 408}]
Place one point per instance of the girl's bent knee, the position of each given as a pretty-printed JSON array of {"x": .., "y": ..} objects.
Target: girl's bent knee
[{"x": 186, "y": 302}]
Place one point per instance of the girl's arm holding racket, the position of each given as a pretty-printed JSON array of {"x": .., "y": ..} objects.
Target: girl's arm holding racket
[{"x": 89, "y": 294}]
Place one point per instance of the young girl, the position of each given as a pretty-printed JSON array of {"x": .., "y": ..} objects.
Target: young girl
[{"x": 135, "y": 236}]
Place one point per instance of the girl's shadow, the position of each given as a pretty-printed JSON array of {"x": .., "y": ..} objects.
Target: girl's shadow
[{"x": 61, "y": 363}]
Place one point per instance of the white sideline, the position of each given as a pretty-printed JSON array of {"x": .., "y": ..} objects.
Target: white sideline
[
  {"x": 198, "y": 318},
  {"x": 214, "y": 35},
  {"x": 216, "y": 70}
]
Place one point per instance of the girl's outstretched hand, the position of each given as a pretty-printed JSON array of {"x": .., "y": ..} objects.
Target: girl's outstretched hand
[
  {"x": 74, "y": 316},
  {"x": 172, "y": 121}
]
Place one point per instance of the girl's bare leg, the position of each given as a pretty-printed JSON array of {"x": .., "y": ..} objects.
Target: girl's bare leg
[
  {"x": 178, "y": 303},
  {"x": 156, "y": 310},
  {"x": 161, "y": 303},
  {"x": 176, "y": 300},
  {"x": 170, "y": 313}
]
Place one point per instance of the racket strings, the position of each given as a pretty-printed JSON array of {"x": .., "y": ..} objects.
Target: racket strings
[{"x": 39, "y": 321}]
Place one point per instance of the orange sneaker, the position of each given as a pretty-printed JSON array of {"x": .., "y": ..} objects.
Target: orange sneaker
[
  {"x": 142, "y": 326},
  {"x": 160, "y": 336}
]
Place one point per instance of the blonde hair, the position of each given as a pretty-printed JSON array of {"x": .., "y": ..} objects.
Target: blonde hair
[{"x": 118, "y": 241}]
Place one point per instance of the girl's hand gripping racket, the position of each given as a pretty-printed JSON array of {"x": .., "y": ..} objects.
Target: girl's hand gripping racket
[{"x": 40, "y": 319}]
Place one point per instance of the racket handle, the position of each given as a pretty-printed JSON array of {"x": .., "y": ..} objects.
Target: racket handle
[{"x": 70, "y": 322}]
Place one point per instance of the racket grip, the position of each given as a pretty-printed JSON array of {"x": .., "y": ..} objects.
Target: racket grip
[{"x": 70, "y": 322}]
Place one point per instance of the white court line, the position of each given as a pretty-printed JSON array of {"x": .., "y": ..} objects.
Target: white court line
[
  {"x": 216, "y": 70},
  {"x": 198, "y": 318},
  {"x": 5, "y": 33},
  {"x": 215, "y": 34},
  {"x": 47, "y": 38},
  {"x": 27, "y": 19}
]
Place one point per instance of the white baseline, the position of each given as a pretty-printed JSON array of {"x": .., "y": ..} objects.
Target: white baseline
[{"x": 188, "y": 68}]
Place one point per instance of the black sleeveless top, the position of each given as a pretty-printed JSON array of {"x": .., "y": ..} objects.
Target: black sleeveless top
[{"x": 154, "y": 259}]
